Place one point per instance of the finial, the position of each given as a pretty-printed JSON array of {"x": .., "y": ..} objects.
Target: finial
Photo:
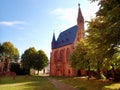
[{"x": 78, "y": 4}]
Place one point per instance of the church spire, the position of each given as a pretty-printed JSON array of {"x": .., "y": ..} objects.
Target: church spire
[
  {"x": 53, "y": 41},
  {"x": 80, "y": 18}
]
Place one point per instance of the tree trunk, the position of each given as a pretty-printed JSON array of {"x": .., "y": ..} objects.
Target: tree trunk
[
  {"x": 88, "y": 70},
  {"x": 38, "y": 72},
  {"x": 98, "y": 73},
  {"x": 29, "y": 72},
  {"x": 113, "y": 72},
  {"x": 88, "y": 73}
]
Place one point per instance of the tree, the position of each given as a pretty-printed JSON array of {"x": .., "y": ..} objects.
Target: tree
[
  {"x": 41, "y": 60},
  {"x": 78, "y": 57},
  {"x": 8, "y": 53},
  {"x": 97, "y": 50},
  {"x": 83, "y": 57},
  {"x": 104, "y": 32},
  {"x": 28, "y": 58},
  {"x": 8, "y": 50},
  {"x": 15, "y": 67},
  {"x": 34, "y": 59}
]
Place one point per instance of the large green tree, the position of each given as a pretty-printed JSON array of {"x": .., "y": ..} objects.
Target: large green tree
[
  {"x": 104, "y": 30},
  {"x": 41, "y": 60},
  {"x": 8, "y": 50},
  {"x": 103, "y": 39},
  {"x": 104, "y": 33},
  {"x": 84, "y": 57},
  {"x": 78, "y": 58},
  {"x": 32, "y": 58},
  {"x": 97, "y": 50},
  {"x": 28, "y": 58}
]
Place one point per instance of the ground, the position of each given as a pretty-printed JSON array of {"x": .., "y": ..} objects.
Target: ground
[
  {"x": 60, "y": 85},
  {"x": 56, "y": 83}
]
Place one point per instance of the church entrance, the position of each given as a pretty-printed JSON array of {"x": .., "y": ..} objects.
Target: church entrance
[
  {"x": 78, "y": 73},
  {"x": 59, "y": 72}
]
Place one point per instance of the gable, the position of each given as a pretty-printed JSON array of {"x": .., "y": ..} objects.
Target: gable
[{"x": 66, "y": 37}]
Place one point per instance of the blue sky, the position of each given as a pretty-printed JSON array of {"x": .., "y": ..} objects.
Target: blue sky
[{"x": 31, "y": 23}]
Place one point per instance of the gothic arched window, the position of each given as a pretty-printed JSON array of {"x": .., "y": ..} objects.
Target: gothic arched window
[
  {"x": 61, "y": 55},
  {"x": 55, "y": 55},
  {"x": 67, "y": 53}
]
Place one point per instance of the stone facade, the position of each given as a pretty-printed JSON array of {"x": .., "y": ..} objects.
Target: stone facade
[{"x": 60, "y": 64}]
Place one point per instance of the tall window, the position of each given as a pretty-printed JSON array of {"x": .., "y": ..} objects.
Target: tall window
[
  {"x": 67, "y": 53},
  {"x": 61, "y": 58},
  {"x": 55, "y": 55}
]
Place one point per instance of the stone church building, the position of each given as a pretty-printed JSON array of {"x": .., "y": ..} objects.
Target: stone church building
[{"x": 63, "y": 46}]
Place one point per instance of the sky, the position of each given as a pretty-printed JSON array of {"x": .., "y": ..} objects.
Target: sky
[{"x": 31, "y": 23}]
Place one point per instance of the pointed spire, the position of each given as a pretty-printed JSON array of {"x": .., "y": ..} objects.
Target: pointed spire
[
  {"x": 53, "y": 41},
  {"x": 80, "y": 18}
]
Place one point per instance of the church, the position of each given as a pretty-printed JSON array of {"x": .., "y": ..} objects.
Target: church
[{"x": 63, "y": 46}]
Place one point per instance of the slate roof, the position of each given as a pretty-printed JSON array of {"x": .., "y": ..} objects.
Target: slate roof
[{"x": 65, "y": 38}]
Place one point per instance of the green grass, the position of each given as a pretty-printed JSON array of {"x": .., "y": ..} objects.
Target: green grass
[
  {"x": 41, "y": 83},
  {"x": 22, "y": 83},
  {"x": 92, "y": 84}
]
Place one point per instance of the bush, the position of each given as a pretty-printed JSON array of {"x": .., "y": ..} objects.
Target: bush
[{"x": 15, "y": 67}]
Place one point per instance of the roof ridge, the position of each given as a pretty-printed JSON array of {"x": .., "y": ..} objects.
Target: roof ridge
[
  {"x": 66, "y": 37},
  {"x": 68, "y": 28}
]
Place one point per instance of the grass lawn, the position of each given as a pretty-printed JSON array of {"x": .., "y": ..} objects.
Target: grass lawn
[
  {"x": 22, "y": 83},
  {"x": 92, "y": 84}
]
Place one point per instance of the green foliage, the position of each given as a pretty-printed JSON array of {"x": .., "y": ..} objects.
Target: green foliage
[
  {"x": 78, "y": 57},
  {"x": 101, "y": 48},
  {"x": 15, "y": 67},
  {"x": 34, "y": 59},
  {"x": 41, "y": 60},
  {"x": 28, "y": 58},
  {"x": 7, "y": 49},
  {"x": 104, "y": 33},
  {"x": 116, "y": 60},
  {"x": 107, "y": 26}
]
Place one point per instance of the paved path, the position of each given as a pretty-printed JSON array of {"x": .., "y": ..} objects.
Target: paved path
[{"x": 60, "y": 85}]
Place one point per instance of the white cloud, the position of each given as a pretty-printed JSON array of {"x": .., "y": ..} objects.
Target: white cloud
[
  {"x": 70, "y": 14},
  {"x": 11, "y": 23},
  {"x": 67, "y": 14}
]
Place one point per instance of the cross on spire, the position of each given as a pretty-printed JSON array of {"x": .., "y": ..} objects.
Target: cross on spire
[
  {"x": 80, "y": 18},
  {"x": 79, "y": 5}
]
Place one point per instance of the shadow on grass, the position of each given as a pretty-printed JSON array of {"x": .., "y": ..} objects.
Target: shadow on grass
[
  {"x": 82, "y": 88},
  {"x": 92, "y": 84},
  {"x": 20, "y": 79},
  {"x": 30, "y": 83}
]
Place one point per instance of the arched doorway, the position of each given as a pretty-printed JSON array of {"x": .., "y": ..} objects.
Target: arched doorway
[
  {"x": 59, "y": 72},
  {"x": 78, "y": 73}
]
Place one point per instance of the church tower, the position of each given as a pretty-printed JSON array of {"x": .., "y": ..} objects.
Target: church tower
[
  {"x": 80, "y": 19},
  {"x": 63, "y": 46},
  {"x": 80, "y": 24}
]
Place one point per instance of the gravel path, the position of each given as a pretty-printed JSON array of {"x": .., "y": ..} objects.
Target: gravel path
[{"x": 60, "y": 85}]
